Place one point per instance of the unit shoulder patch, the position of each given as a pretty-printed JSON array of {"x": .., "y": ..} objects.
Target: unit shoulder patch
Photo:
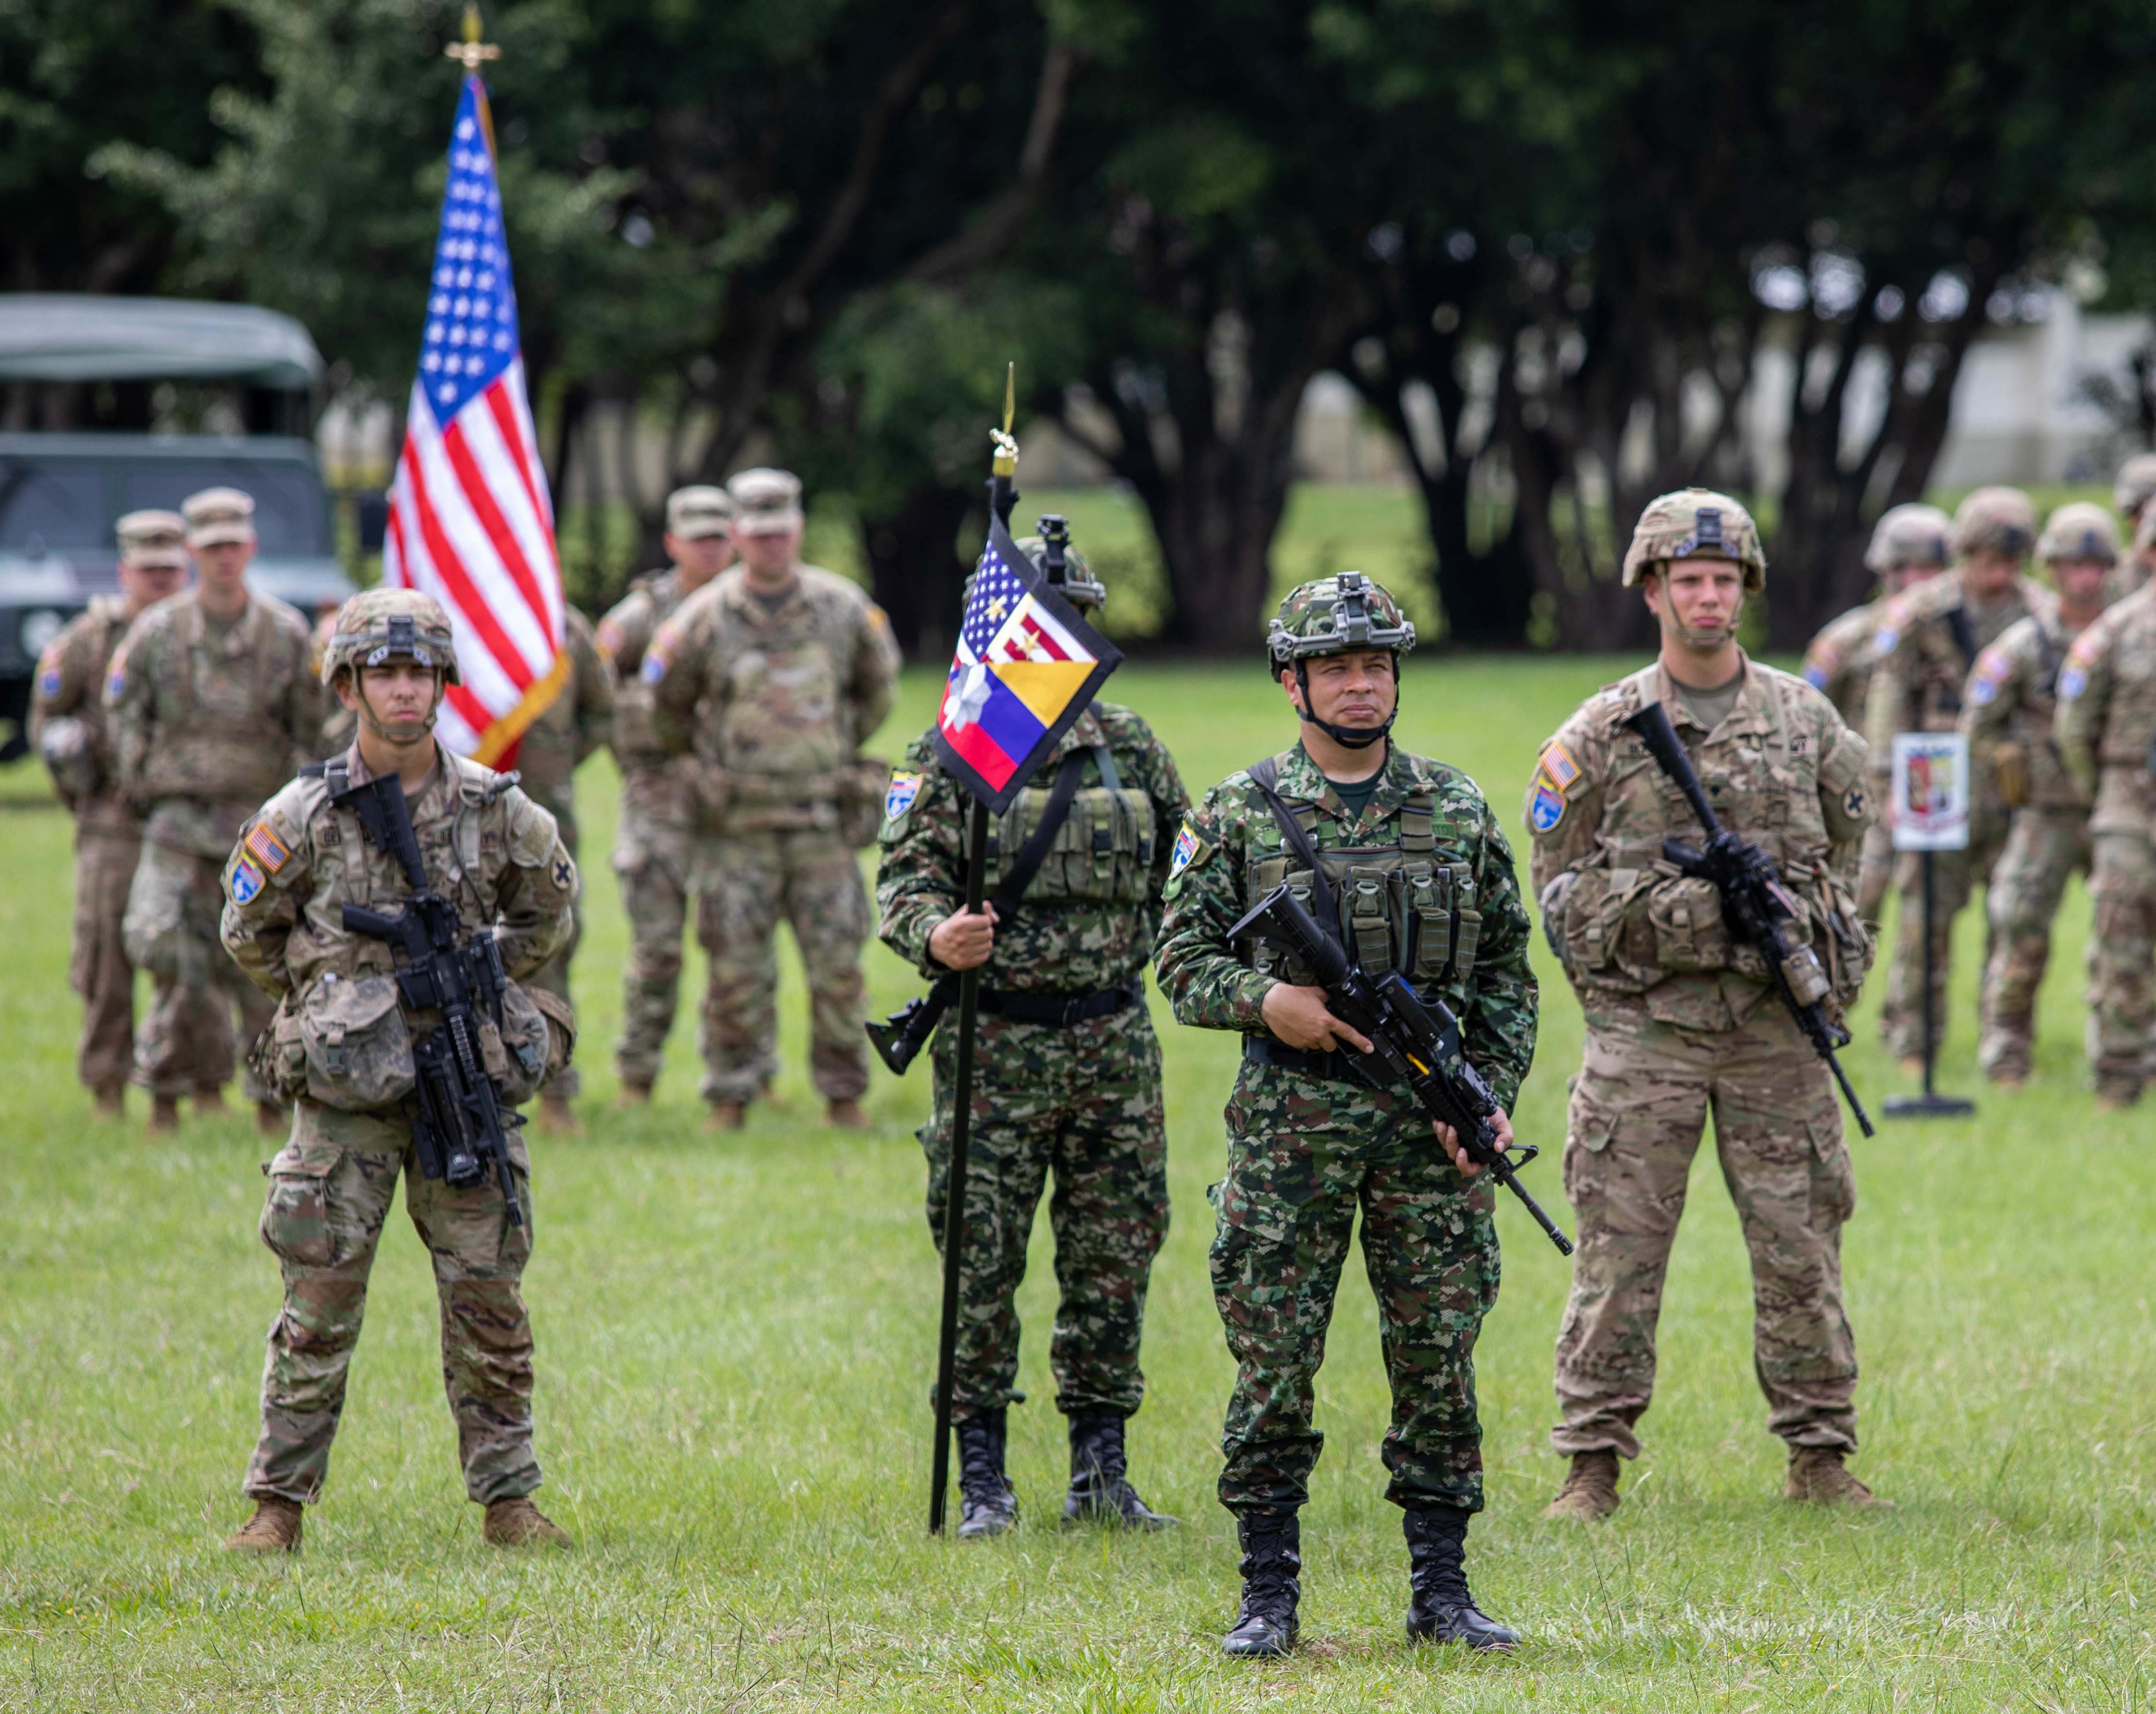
[
  {"x": 1546, "y": 809},
  {"x": 899, "y": 795}
]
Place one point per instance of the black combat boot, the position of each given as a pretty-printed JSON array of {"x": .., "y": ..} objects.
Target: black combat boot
[
  {"x": 987, "y": 1506},
  {"x": 1100, "y": 1490},
  {"x": 1440, "y": 1609},
  {"x": 1272, "y": 1566}
]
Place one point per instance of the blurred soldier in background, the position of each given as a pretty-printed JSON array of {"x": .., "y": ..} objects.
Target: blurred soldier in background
[
  {"x": 68, "y": 726},
  {"x": 1927, "y": 646},
  {"x": 578, "y": 721},
  {"x": 1066, "y": 1076},
  {"x": 1908, "y": 545},
  {"x": 654, "y": 839},
  {"x": 2007, "y": 717},
  {"x": 212, "y": 708},
  {"x": 2131, "y": 493},
  {"x": 774, "y": 674}
]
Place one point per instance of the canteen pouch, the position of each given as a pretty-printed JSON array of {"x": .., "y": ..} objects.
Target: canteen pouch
[
  {"x": 2009, "y": 762},
  {"x": 863, "y": 783},
  {"x": 278, "y": 1056},
  {"x": 517, "y": 1052},
  {"x": 357, "y": 1048},
  {"x": 1690, "y": 935}
]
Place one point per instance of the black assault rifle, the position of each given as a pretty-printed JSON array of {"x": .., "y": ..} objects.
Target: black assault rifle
[
  {"x": 1413, "y": 1041},
  {"x": 459, "y": 1124},
  {"x": 1754, "y": 902}
]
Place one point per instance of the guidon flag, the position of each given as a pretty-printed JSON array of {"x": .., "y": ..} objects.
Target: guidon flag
[
  {"x": 1026, "y": 668},
  {"x": 469, "y": 520}
]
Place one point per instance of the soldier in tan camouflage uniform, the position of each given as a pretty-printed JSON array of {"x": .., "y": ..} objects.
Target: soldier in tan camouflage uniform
[
  {"x": 212, "y": 707},
  {"x": 342, "y": 1045},
  {"x": 2131, "y": 493},
  {"x": 654, "y": 837},
  {"x": 578, "y": 721},
  {"x": 1927, "y": 646},
  {"x": 67, "y": 725},
  {"x": 2007, "y": 717},
  {"x": 774, "y": 674},
  {"x": 2105, "y": 727},
  {"x": 1681, "y": 1022}
]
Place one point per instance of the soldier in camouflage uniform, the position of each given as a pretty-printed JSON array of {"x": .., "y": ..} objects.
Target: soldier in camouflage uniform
[
  {"x": 341, "y": 1045},
  {"x": 2131, "y": 493},
  {"x": 1681, "y": 1020},
  {"x": 1908, "y": 545},
  {"x": 654, "y": 837},
  {"x": 578, "y": 721},
  {"x": 1925, "y": 649},
  {"x": 772, "y": 674},
  {"x": 2006, "y": 715},
  {"x": 1066, "y": 1079},
  {"x": 67, "y": 725},
  {"x": 212, "y": 707},
  {"x": 2105, "y": 728},
  {"x": 1421, "y": 880}
]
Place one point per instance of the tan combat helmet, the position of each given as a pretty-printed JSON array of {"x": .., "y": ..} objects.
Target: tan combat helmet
[
  {"x": 153, "y": 540},
  {"x": 766, "y": 503},
  {"x": 1697, "y": 523},
  {"x": 1907, "y": 536},
  {"x": 2079, "y": 531},
  {"x": 219, "y": 515},
  {"x": 379, "y": 626},
  {"x": 1995, "y": 520},
  {"x": 2136, "y": 484},
  {"x": 695, "y": 513}
]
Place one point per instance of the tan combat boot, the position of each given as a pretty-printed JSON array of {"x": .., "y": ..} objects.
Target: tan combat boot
[
  {"x": 727, "y": 1116},
  {"x": 164, "y": 1115},
  {"x": 270, "y": 1120},
  {"x": 1817, "y": 1477},
  {"x": 518, "y": 1523},
  {"x": 634, "y": 1094},
  {"x": 845, "y": 1114},
  {"x": 1589, "y": 1493},
  {"x": 209, "y": 1102},
  {"x": 557, "y": 1116},
  {"x": 111, "y": 1100},
  {"x": 275, "y": 1528}
]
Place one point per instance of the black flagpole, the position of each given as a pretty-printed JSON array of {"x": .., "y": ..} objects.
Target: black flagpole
[{"x": 1003, "y": 496}]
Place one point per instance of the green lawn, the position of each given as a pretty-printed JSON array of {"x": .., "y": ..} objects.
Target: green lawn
[{"x": 736, "y": 1337}]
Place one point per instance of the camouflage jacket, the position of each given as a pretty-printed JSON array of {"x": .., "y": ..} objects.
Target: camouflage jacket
[
  {"x": 1088, "y": 920},
  {"x": 654, "y": 786},
  {"x": 2007, "y": 712},
  {"x": 71, "y": 686},
  {"x": 1781, "y": 769},
  {"x": 2106, "y": 722},
  {"x": 578, "y": 721},
  {"x": 206, "y": 726},
  {"x": 1231, "y": 843},
  {"x": 1838, "y": 664}
]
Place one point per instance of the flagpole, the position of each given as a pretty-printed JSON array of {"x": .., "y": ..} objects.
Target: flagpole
[{"x": 1003, "y": 496}]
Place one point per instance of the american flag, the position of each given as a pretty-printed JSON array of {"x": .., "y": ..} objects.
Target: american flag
[{"x": 469, "y": 521}]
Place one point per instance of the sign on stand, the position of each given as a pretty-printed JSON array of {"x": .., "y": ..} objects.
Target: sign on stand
[{"x": 1930, "y": 801}]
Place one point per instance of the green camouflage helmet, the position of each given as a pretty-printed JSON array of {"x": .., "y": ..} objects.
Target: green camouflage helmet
[
  {"x": 2136, "y": 484},
  {"x": 389, "y": 625},
  {"x": 1695, "y": 523},
  {"x": 1995, "y": 520},
  {"x": 2080, "y": 530},
  {"x": 1330, "y": 616},
  {"x": 1909, "y": 536},
  {"x": 1078, "y": 584}
]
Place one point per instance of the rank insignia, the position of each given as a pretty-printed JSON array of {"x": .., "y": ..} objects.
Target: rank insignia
[
  {"x": 1558, "y": 764},
  {"x": 899, "y": 795},
  {"x": 263, "y": 843},
  {"x": 1546, "y": 809},
  {"x": 245, "y": 882}
]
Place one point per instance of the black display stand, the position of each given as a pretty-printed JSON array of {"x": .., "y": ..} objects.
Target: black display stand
[{"x": 1930, "y": 1105}]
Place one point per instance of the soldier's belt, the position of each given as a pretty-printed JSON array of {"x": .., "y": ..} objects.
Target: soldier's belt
[
  {"x": 1335, "y": 1066},
  {"x": 1063, "y": 1010}
]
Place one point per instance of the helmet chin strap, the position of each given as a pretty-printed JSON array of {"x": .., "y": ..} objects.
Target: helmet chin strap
[
  {"x": 366, "y": 711},
  {"x": 1354, "y": 737}
]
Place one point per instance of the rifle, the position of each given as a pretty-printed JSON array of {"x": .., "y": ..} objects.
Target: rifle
[
  {"x": 1754, "y": 902},
  {"x": 459, "y": 1124},
  {"x": 1413, "y": 1041}
]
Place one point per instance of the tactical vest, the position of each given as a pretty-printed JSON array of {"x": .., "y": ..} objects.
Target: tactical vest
[
  {"x": 779, "y": 715},
  {"x": 1103, "y": 852},
  {"x": 219, "y": 731}
]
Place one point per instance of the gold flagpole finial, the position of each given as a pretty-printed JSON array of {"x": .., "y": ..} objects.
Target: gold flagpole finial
[
  {"x": 471, "y": 53},
  {"x": 1006, "y": 459}
]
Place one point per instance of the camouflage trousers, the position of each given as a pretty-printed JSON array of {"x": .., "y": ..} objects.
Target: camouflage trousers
[
  {"x": 170, "y": 931},
  {"x": 2122, "y": 963},
  {"x": 1084, "y": 1103},
  {"x": 745, "y": 882},
  {"x": 2043, "y": 848},
  {"x": 1304, "y": 1154},
  {"x": 105, "y": 865},
  {"x": 330, "y": 1194},
  {"x": 1955, "y": 875},
  {"x": 1638, "y": 1106},
  {"x": 653, "y": 861}
]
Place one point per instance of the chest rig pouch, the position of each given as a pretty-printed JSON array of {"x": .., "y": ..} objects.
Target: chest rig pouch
[{"x": 1102, "y": 854}]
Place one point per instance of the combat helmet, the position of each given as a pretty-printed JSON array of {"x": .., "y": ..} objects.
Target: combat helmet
[
  {"x": 1330, "y": 616},
  {"x": 1909, "y": 536},
  {"x": 1697, "y": 523},
  {"x": 377, "y": 625},
  {"x": 2080, "y": 530},
  {"x": 2135, "y": 485},
  {"x": 1062, "y": 564},
  {"x": 1996, "y": 520}
]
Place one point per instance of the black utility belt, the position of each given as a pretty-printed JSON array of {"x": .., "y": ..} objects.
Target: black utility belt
[
  {"x": 1336, "y": 1067},
  {"x": 1063, "y": 1010}
]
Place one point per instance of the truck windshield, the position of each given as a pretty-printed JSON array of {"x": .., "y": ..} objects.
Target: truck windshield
[{"x": 52, "y": 503}]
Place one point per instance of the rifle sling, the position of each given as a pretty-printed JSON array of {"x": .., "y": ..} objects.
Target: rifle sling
[{"x": 1266, "y": 777}]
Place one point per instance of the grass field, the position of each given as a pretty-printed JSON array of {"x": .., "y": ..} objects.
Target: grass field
[{"x": 735, "y": 1337}]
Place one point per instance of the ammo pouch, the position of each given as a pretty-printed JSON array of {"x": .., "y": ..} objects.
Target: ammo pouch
[
  {"x": 1689, "y": 933},
  {"x": 862, "y": 784},
  {"x": 519, "y": 1052},
  {"x": 277, "y": 1056},
  {"x": 1101, "y": 853},
  {"x": 355, "y": 1047}
]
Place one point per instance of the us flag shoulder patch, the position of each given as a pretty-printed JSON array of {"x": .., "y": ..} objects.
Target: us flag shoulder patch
[{"x": 264, "y": 845}]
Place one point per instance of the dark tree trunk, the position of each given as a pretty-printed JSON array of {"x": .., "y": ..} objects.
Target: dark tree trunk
[{"x": 915, "y": 571}]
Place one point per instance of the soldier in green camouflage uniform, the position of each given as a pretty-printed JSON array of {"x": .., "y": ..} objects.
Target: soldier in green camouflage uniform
[
  {"x": 1908, "y": 546},
  {"x": 578, "y": 721},
  {"x": 1681, "y": 1020},
  {"x": 2006, "y": 715},
  {"x": 1066, "y": 1079},
  {"x": 341, "y": 1045},
  {"x": 2105, "y": 727},
  {"x": 211, "y": 706},
  {"x": 1925, "y": 647},
  {"x": 1423, "y": 882},
  {"x": 2131, "y": 493},
  {"x": 654, "y": 837},
  {"x": 772, "y": 674},
  {"x": 67, "y": 726}
]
